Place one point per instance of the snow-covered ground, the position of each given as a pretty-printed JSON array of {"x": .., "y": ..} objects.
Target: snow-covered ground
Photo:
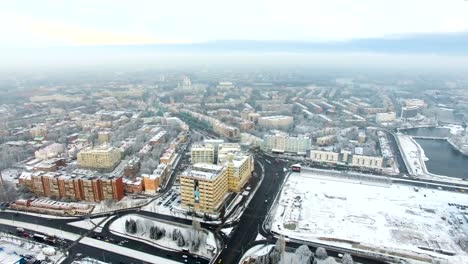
[
  {"x": 11, "y": 248},
  {"x": 454, "y": 129},
  {"x": 227, "y": 231},
  {"x": 88, "y": 261},
  {"x": 207, "y": 248},
  {"x": 126, "y": 202},
  {"x": 413, "y": 154},
  {"x": 255, "y": 251},
  {"x": 89, "y": 223},
  {"x": 369, "y": 216}
]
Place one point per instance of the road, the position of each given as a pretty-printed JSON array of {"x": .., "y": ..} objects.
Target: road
[
  {"x": 254, "y": 214},
  {"x": 63, "y": 225}
]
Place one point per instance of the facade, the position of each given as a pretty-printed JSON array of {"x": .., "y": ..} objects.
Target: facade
[
  {"x": 133, "y": 185},
  {"x": 367, "y": 161},
  {"x": 100, "y": 158},
  {"x": 168, "y": 156},
  {"x": 152, "y": 181},
  {"x": 385, "y": 117},
  {"x": 283, "y": 142},
  {"x": 226, "y": 149},
  {"x": 251, "y": 139},
  {"x": 239, "y": 169},
  {"x": 202, "y": 154},
  {"x": 91, "y": 189},
  {"x": 324, "y": 156},
  {"x": 203, "y": 187},
  {"x": 276, "y": 121}
]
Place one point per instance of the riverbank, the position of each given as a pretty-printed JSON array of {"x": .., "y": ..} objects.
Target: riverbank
[{"x": 415, "y": 159}]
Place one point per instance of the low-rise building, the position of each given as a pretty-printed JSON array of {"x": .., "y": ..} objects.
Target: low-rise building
[{"x": 385, "y": 117}]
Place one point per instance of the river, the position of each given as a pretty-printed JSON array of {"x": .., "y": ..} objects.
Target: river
[{"x": 443, "y": 158}]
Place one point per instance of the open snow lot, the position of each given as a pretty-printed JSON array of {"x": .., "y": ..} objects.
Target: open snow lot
[{"x": 400, "y": 219}]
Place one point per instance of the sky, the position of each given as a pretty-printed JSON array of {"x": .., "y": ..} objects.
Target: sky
[{"x": 58, "y": 23}]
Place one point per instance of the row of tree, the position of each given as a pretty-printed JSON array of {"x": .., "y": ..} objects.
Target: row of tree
[{"x": 302, "y": 255}]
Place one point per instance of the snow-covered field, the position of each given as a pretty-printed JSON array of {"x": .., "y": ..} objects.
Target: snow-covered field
[
  {"x": 355, "y": 213},
  {"x": 11, "y": 248},
  {"x": 207, "y": 246}
]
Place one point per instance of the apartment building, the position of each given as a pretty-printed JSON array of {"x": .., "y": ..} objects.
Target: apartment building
[
  {"x": 99, "y": 158},
  {"x": 204, "y": 187},
  {"x": 276, "y": 121},
  {"x": 285, "y": 143},
  {"x": 202, "y": 153},
  {"x": 152, "y": 181},
  {"x": 367, "y": 161},
  {"x": 88, "y": 188},
  {"x": 239, "y": 170},
  {"x": 324, "y": 156}
]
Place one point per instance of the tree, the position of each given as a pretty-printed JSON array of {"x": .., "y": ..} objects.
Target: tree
[
  {"x": 347, "y": 259},
  {"x": 180, "y": 240},
  {"x": 8, "y": 192},
  {"x": 303, "y": 254},
  {"x": 321, "y": 253}
]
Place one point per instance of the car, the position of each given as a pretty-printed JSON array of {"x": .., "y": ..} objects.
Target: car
[{"x": 185, "y": 256}]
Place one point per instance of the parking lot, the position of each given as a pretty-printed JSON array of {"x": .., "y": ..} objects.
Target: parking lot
[{"x": 171, "y": 199}]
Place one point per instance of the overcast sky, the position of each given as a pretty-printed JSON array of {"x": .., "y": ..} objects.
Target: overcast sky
[{"x": 50, "y": 23}]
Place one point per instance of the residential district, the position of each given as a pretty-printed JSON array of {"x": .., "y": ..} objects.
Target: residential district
[{"x": 234, "y": 168}]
